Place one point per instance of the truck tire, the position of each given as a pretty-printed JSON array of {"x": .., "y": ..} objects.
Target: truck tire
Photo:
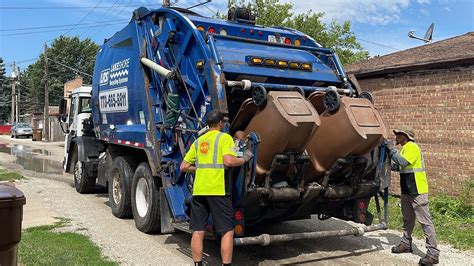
[
  {"x": 121, "y": 176},
  {"x": 83, "y": 182},
  {"x": 146, "y": 200}
]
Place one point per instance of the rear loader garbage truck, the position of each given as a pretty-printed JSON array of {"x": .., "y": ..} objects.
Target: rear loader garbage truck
[{"x": 315, "y": 135}]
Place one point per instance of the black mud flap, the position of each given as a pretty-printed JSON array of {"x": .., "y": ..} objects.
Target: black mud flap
[{"x": 166, "y": 217}]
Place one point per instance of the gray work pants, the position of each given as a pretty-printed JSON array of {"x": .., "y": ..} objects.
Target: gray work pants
[{"x": 416, "y": 206}]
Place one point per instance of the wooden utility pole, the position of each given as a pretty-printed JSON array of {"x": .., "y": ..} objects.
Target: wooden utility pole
[
  {"x": 18, "y": 96},
  {"x": 14, "y": 119},
  {"x": 46, "y": 95}
]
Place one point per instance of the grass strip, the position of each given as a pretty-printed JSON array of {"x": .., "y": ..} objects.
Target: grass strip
[
  {"x": 6, "y": 175},
  {"x": 41, "y": 245}
]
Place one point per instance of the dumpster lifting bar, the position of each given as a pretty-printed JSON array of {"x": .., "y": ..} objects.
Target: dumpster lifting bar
[
  {"x": 165, "y": 73},
  {"x": 266, "y": 239}
]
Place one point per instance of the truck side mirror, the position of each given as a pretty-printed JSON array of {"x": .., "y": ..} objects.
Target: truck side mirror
[
  {"x": 62, "y": 110},
  {"x": 62, "y": 107}
]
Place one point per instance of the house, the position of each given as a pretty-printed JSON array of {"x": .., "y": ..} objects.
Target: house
[{"x": 430, "y": 88}]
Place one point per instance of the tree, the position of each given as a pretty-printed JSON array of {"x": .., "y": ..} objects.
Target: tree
[
  {"x": 2, "y": 70},
  {"x": 70, "y": 51},
  {"x": 338, "y": 37}
]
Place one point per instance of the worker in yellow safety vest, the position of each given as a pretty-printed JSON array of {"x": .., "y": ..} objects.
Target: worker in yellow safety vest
[
  {"x": 414, "y": 198},
  {"x": 207, "y": 157}
]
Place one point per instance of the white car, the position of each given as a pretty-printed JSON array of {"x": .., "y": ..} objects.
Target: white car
[{"x": 21, "y": 129}]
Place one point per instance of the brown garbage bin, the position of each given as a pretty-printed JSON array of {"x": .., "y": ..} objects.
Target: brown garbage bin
[
  {"x": 11, "y": 215},
  {"x": 37, "y": 134}
]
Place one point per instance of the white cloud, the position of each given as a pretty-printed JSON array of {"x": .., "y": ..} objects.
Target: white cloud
[
  {"x": 425, "y": 12},
  {"x": 375, "y": 12},
  {"x": 423, "y": 1},
  {"x": 447, "y": 9}
]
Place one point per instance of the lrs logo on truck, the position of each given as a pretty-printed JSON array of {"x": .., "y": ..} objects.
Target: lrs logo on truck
[
  {"x": 104, "y": 76},
  {"x": 114, "y": 100}
]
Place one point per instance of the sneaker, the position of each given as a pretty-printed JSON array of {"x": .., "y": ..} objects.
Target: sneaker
[
  {"x": 402, "y": 248},
  {"x": 428, "y": 260}
]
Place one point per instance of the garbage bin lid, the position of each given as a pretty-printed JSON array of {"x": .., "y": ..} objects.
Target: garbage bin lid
[{"x": 11, "y": 197}]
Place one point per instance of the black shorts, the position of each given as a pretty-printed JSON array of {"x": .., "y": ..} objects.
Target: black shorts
[{"x": 220, "y": 207}]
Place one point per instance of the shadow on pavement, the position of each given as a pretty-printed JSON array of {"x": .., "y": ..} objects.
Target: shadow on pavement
[{"x": 314, "y": 250}]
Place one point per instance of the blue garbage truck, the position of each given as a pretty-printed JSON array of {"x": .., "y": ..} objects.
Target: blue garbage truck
[{"x": 316, "y": 136}]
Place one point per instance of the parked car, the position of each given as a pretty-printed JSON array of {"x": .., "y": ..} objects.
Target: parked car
[{"x": 21, "y": 130}]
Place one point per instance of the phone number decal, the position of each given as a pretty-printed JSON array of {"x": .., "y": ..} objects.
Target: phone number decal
[{"x": 114, "y": 100}]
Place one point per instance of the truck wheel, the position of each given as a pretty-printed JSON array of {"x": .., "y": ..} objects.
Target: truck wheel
[
  {"x": 83, "y": 182},
  {"x": 121, "y": 175},
  {"x": 145, "y": 200}
]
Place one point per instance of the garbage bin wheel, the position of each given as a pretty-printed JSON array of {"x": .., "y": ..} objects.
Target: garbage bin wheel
[
  {"x": 259, "y": 95},
  {"x": 332, "y": 101},
  {"x": 367, "y": 95},
  {"x": 146, "y": 199},
  {"x": 83, "y": 182},
  {"x": 120, "y": 182}
]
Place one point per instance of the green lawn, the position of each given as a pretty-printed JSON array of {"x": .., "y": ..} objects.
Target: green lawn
[
  {"x": 6, "y": 175},
  {"x": 453, "y": 219},
  {"x": 41, "y": 245}
]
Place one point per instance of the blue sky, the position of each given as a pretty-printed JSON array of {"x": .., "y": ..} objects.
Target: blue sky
[{"x": 385, "y": 22}]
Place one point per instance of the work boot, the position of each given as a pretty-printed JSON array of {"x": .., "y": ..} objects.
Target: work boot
[
  {"x": 428, "y": 260},
  {"x": 402, "y": 248}
]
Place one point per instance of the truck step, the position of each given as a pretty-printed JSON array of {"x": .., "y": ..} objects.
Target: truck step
[{"x": 182, "y": 226}]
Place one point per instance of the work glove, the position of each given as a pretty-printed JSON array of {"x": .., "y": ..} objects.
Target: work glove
[
  {"x": 248, "y": 155},
  {"x": 395, "y": 167},
  {"x": 390, "y": 146}
]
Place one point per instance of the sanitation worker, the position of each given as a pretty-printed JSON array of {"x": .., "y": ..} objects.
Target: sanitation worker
[
  {"x": 207, "y": 157},
  {"x": 414, "y": 200}
]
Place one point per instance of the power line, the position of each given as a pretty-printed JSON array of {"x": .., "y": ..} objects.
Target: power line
[
  {"x": 71, "y": 68},
  {"x": 61, "y": 26},
  {"x": 26, "y": 60},
  {"x": 382, "y": 45},
  {"x": 105, "y": 15},
  {"x": 88, "y": 27},
  {"x": 63, "y": 7},
  {"x": 84, "y": 17}
]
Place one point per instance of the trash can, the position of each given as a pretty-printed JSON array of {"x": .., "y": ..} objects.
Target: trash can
[
  {"x": 11, "y": 215},
  {"x": 37, "y": 134}
]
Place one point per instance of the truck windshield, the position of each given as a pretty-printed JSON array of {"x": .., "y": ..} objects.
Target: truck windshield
[{"x": 84, "y": 105}]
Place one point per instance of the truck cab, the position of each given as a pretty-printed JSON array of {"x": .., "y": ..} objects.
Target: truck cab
[{"x": 75, "y": 123}]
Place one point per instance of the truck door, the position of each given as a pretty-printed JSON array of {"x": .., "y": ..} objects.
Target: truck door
[{"x": 71, "y": 130}]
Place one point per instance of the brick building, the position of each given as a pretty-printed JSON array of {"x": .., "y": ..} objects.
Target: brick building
[
  {"x": 70, "y": 86},
  {"x": 430, "y": 88}
]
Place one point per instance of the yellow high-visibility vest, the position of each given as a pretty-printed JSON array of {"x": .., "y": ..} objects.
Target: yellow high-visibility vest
[
  {"x": 413, "y": 176},
  {"x": 207, "y": 153}
]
